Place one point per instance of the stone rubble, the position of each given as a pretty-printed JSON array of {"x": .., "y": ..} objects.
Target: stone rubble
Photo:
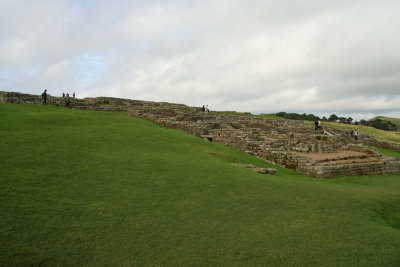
[
  {"x": 254, "y": 168},
  {"x": 285, "y": 142}
]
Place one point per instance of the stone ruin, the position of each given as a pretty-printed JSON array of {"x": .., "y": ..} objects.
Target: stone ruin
[
  {"x": 323, "y": 153},
  {"x": 288, "y": 143},
  {"x": 89, "y": 103}
]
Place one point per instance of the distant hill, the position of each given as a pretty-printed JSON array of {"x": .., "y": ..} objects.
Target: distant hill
[{"x": 395, "y": 121}]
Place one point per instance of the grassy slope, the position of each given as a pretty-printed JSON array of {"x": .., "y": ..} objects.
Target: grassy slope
[
  {"x": 379, "y": 134},
  {"x": 387, "y": 152},
  {"x": 396, "y": 121},
  {"x": 97, "y": 188}
]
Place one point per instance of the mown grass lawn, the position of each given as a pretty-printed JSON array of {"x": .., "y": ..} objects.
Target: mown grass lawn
[{"x": 101, "y": 188}]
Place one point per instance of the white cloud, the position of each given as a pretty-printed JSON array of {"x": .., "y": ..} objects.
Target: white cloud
[{"x": 258, "y": 56}]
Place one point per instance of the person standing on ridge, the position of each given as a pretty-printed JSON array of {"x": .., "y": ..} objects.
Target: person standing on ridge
[
  {"x": 44, "y": 97},
  {"x": 67, "y": 100}
]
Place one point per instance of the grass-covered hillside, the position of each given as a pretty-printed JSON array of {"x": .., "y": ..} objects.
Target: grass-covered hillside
[
  {"x": 389, "y": 136},
  {"x": 395, "y": 121},
  {"x": 82, "y": 188}
]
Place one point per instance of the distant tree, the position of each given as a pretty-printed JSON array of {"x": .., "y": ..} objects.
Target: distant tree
[
  {"x": 349, "y": 120},
  {"x": 356, "y": 122},
  {"x": 312, "y": 117},
  {"x": 324, "y": 118},
  {"x": 342, "y": 119},
  {"x": 296, "y": 116},
  {"x": 380, "y": 124},
  {"x": 333, "y": 118},
  {"x": 281, "y": 114},
  {"x": 392, "y": 126}
]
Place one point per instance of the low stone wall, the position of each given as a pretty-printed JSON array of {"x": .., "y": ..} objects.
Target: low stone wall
[
  {"x": 95, "y": 104},
  {"x": 19, "y": 98}
]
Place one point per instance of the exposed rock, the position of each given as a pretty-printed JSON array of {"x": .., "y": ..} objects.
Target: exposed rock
[
  {"x": 254, "y": 168},
  {"x": 250, "y": 166},
  {"x": 265, "y": 170}
]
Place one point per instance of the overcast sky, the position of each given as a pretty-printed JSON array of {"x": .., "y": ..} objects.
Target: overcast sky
[{"x": 265, "y": 56}]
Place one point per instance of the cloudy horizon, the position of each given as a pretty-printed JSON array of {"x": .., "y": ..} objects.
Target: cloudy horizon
[{"x": 320, "y": 57}]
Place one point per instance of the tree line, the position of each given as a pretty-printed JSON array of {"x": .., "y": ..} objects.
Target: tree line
[
  {"x": 380, "y": 124},
  {"x": 376, "y": 123}
]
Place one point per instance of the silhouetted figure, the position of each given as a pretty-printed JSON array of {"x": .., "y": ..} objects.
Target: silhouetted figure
[
  {"x": 73, "y": 95},
  {"x": 67, "y": 100},
  {"x": 203, "y": 108},
  {"x": 44, "y": 97},
  {"x": 316, "y": 125},
  {"x": 63, "y": 95}
]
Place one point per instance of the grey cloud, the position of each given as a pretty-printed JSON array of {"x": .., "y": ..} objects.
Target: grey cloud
[{"x": 257, "y": 56}]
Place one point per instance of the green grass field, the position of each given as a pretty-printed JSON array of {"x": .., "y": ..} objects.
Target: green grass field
[{"x": 101, "y": 188}]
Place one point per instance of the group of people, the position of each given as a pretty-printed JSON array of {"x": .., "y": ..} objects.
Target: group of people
[
  {"x": 317, "y": 125},
  {"x": 66, "y": 97},
  {"x": 353, "y": 134},
  {"x": 205, "y": 109},
  {"x": 73, "y": 95}
]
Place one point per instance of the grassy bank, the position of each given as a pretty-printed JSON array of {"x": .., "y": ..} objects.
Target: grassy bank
[
  {"x": 395, "y": 121},
  {"x": 393, "y": 137},
  {"x": 101, "y": 188},
  {"x": 387, "y": 152}
]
